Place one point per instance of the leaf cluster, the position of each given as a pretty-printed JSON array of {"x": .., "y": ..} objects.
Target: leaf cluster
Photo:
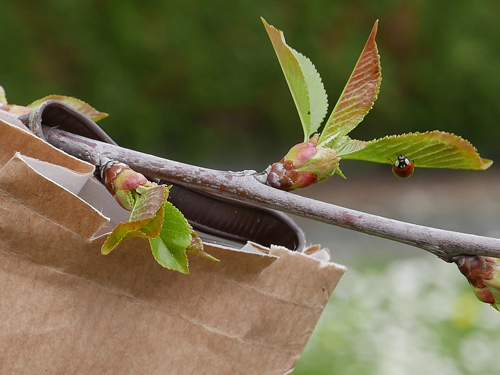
[
  {"x": 169, "y": 234},
  {"x": 433, "y": 149}
]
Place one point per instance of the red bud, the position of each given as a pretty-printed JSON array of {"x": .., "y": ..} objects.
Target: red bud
[{"x": 483, "y": 274}]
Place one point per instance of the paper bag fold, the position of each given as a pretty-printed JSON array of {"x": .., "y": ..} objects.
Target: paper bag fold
[{"x": 67, "y": 309}]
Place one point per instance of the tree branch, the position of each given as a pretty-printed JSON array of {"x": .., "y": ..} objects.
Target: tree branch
[{"x": 246, "y": 186}]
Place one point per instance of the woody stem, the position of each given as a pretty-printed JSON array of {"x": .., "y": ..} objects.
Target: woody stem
[{"x": 246, "y": 186}]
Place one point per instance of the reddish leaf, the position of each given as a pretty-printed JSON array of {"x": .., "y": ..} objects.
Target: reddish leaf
[
  {"x": 358, "y": 96},
  {"x": 145, "y": 221}
]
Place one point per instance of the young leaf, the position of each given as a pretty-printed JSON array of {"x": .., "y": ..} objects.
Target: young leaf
[
  {"x": 303, "y": 81},
  {"x": 358, "y": 96},
  {"x": 149, "y": 203},
  {"x": 169, "y": 248},
  {"x": 434, "y": 149},
  {"x": 145, "y": 220},
  {"x": 346, "y": 145},
  {"x": 130, "y": 229},
  {"x": 318, "y": 100},
  {"x": 76, "y": 104}
]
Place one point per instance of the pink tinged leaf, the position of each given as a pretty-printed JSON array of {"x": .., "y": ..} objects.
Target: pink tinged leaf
[
  {"x": 149, "y": 203},
  {"x": 358, "y": 96},
  {"x": 145, "y": 220},
  {"x": 74, "y": 103},
  {"x": 153, "y": 228}
]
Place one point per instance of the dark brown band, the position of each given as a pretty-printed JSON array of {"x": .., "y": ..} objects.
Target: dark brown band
[{"x": 222, "y": 217}]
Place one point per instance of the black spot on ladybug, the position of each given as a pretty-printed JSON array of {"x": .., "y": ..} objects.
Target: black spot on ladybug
[{"x": 403, "y": 167}]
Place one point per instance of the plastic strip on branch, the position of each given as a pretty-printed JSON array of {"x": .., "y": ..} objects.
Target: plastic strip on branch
[{"x": 246, "y": 186}]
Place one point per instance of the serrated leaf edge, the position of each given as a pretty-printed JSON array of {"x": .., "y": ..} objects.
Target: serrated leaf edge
[
  {"x": 318, "y": 113},
  {"x": 305, "y": 121},
  {"x": 486, "y": 163},
  {"x": 91, "y": 112},
  {"x": 329, "y": 140}
]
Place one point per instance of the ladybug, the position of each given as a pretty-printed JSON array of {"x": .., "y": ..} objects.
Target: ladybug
[{"x": 403, "y": 167}]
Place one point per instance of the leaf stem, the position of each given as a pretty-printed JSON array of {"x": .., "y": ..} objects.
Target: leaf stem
[{"x": 246, "y": 186}]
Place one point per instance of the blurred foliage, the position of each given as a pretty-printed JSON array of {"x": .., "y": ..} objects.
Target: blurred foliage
[
  {"x": 414, "y": 316},
  {"x": 200, "y": 83}
]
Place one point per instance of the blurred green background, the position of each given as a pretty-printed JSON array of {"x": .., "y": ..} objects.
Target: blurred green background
[{"x": 198, "y": 82}]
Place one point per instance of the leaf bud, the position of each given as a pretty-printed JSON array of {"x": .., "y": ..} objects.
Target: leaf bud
[
  {"x": 304, "y": 165},
  {"x": 483, "y": 274},
  {"x": 121, "y": 181}
]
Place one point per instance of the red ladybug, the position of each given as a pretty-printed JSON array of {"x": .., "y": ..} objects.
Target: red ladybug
[{"x": 403, "y": 167}]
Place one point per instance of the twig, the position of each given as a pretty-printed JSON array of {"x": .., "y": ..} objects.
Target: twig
[{"x": 246, "y": 186}]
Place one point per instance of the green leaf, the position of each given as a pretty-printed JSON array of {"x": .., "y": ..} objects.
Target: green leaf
[
  {"x": 169, "y": 248},
  {"x": 347, "y": 145},
  {"x": 3, "y": 98},
  {"x": 170, "y": 257},
  {"x": 168, "y": 231},
  {"x": 145, "y": 220},
  {"x": 125, "y": 231},
  {"x": 126, "y": 198},
  {"x": 76, "y": 104},
  {"x": 434, "y": 149},
  {"x": 318, "y": 100},
  {"x": 358, "y": 96},
  {"x": 303, "y": 81}
]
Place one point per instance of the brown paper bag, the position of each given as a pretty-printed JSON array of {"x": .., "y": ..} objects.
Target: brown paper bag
[{"x": 67, "y": 309}]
